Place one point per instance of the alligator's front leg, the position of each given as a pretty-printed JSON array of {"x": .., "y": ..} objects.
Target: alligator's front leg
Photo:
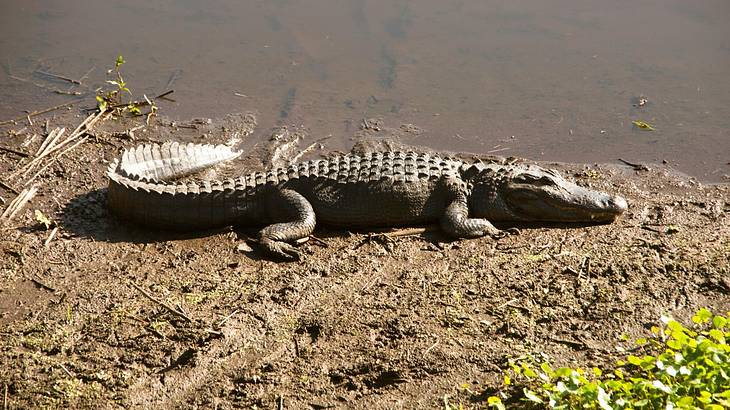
[
  {"x": 295, "y": 220},
  {"x": 455, "y": 221}
]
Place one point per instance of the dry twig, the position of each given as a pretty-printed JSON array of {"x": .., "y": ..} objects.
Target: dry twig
[
  {"x": 17, "y": 204},
  {"x": 161, "y": 303},
  {"x": 9, "y": 188},
  {"x": 34, "y": 113},
  {"x": 12, "y": 151},
  {"x": 50, "y": 237},
  {"x": 60, "y": 77}
]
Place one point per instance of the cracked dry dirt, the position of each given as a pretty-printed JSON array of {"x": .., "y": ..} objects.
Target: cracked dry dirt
[{"x": 363, "y": 322}]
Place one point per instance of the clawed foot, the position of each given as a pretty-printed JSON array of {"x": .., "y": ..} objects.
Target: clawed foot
[
  {"x": 281, "y": 249},
  {"x": 504, "y": 233}
]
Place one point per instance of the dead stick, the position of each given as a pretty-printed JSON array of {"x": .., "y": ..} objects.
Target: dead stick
[
  {"x": 161, "y": 303},
  {"x": 49, "y": 146},
  {"x": 34, "y": 113},
  {"x": 319, "y": 241},
  {"x": 411, "y": 231},
  {"x": 17, "y": 204},
  {"x": 226, "y": 319},
  {"x": 143, "y": 103},
  {"x": 55, "y": 90},
  {"x": 81, "y": 141},
  {"x": 50, "y": 237},
  {"x": 49, "y": 137},
  {"x": 50, "y": 142},
  {"x": 635, "y": 166},
  {"x": 87, "y": 123},
  {"x": 60, "y": 77},
  {"x": 66, "y": 371},
  {"x": 9, "y": 188},
  {"x": 405, "y": 231},
  {"x": 12, "y": 151}
]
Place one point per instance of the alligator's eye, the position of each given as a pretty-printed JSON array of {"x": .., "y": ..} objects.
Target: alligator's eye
[{"x": 533, "y": 180}]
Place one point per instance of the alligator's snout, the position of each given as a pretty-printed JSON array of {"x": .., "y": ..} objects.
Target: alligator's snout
[
  {"x": 541, "y": 195},
  {"x": 616, "y": 205}
]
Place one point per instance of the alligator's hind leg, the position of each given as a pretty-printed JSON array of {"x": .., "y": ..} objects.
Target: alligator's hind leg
[
  {"x": 456, "y": 221},
  {"x": 295, "y": 220}
]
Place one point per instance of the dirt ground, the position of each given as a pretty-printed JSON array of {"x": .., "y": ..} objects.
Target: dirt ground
[{"x": 107, "y": 315}]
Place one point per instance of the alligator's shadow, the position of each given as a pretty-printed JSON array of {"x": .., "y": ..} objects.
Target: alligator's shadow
[{"x": 87, "y": 216}]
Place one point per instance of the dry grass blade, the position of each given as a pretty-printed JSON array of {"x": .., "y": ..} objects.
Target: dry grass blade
[
  {"x": 169, "y": 308},
  {"x": 53, "y": 146},
  {"x": 17, "y": 204},
  {"x": 50, "y": 237},
  {"x": 79, "y": 142},
  {"x": 50, "y": 140}
]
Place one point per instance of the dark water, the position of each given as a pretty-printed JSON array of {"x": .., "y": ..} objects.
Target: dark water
[{"x": 545, "y": 80}]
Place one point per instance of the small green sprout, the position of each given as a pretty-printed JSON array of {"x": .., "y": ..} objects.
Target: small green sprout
[{"x": 111, "y": 100}]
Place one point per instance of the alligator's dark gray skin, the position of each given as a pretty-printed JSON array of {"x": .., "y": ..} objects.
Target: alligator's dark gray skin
[{"x": 378, "y": 189}]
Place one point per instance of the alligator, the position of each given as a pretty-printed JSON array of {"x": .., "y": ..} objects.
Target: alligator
[{"x": 376, "y": 189}]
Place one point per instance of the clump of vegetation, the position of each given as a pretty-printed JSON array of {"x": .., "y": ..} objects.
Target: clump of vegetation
[
  {"x": 112, "y": 100},
  {"x": 683, "y": 368}
]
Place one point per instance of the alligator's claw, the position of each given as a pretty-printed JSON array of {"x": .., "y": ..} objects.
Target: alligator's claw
[{"x": 282, "y": 250}]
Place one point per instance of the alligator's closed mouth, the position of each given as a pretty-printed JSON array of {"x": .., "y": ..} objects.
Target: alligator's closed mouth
[{"x": 564, "y": 202}]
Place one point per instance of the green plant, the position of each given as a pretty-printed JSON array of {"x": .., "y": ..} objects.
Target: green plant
[
  {"x": 682, "y": 368},
  {"x": 111, "y": 100}
]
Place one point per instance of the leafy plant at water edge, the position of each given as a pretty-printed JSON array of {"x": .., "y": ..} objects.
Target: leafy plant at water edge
[
  {"x": 111, "y": 100},
  {"x": 683, "y": 368}
]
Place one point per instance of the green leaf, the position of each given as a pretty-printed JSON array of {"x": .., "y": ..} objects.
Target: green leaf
[
  {"x": 43, "y": 219},
  {"x": 717, "y": 335},
  {"x": 643, "y": 125},
  {"x": 636, "y": 361},
  {"x": 702, "y": 316},
  {"x": 705, "y": 396},
  {"x": 545, "y": 367},
  {"x": 563, "y": 372},
  {"x": 719, "y": 322},
  {"x": 119, "y": 62},
  {"x": 495, "y": 402},
  {"x": 685, "y": 401},
  {"x": 528, "y": 371},
  {"x": 675, "y": 326},
  {"x": 134, "y": 109}
]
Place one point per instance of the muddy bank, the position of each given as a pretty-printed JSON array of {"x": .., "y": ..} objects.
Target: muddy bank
[{"x": 110, "y": 315}]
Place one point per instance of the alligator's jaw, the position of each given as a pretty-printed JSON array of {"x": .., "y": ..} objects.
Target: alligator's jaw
[{"x": 562, "y": 202}]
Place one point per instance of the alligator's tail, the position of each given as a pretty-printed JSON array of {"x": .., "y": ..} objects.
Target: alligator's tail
[{"x": 142, "y": 187}]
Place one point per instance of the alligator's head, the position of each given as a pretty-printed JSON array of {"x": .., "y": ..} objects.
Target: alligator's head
[{"x": 533, "y": 194}]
